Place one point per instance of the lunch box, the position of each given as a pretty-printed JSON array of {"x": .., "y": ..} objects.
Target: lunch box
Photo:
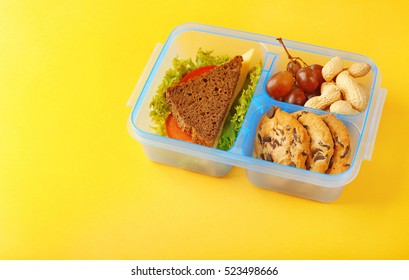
[{"x": 184, "y": 42}]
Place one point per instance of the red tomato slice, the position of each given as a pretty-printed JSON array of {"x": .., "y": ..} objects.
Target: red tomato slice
[
  {"x": 174, "y": 131},
  {"x": 197, "y": 72}
]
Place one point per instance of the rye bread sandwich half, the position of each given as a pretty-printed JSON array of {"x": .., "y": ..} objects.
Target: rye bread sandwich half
[
  {"x": 205, "y": 100},
  {"x": 201, "y": 104}
]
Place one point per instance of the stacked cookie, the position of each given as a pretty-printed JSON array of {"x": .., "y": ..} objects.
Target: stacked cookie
[{"x": 304, "y": 140}]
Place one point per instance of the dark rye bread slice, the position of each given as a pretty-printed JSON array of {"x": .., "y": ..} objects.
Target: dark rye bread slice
[{"x": 201, "y": 104}]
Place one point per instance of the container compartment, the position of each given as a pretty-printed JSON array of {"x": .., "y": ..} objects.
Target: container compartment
[
  {"x": 369, "y": 81},
  {"x": 297, "y": 183},
  {"x": 184, "y": 43}
]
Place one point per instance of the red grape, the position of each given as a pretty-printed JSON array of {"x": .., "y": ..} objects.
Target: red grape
[
  {"x": 307, "y": 79},
  {"x": 295, "y": 96},
  {"x": 279, "y": 84},
  {"x": 318, "y": 68},
  {"x": 293, "y": 66}
]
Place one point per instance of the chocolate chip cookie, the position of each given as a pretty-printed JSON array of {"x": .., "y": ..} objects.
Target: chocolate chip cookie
[
  {"x": 282, "y": 139},
  {"x": 342, "y": 144},
  {"x": 322, "y": 145}
]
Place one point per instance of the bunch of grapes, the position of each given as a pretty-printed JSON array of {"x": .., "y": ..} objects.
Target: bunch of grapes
[{"x": 297, "y": 83}]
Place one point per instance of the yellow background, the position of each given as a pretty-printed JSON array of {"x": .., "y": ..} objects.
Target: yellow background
[{"x": 75, "y": 185}]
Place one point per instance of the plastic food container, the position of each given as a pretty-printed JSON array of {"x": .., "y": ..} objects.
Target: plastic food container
[{"x": 184, "y": 41}]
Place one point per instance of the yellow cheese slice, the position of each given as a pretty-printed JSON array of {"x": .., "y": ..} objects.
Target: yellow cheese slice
[{"x": 245, "y": 67}]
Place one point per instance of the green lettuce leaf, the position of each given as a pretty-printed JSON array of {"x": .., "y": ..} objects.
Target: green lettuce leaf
[{"x": 236, "y": 116}]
